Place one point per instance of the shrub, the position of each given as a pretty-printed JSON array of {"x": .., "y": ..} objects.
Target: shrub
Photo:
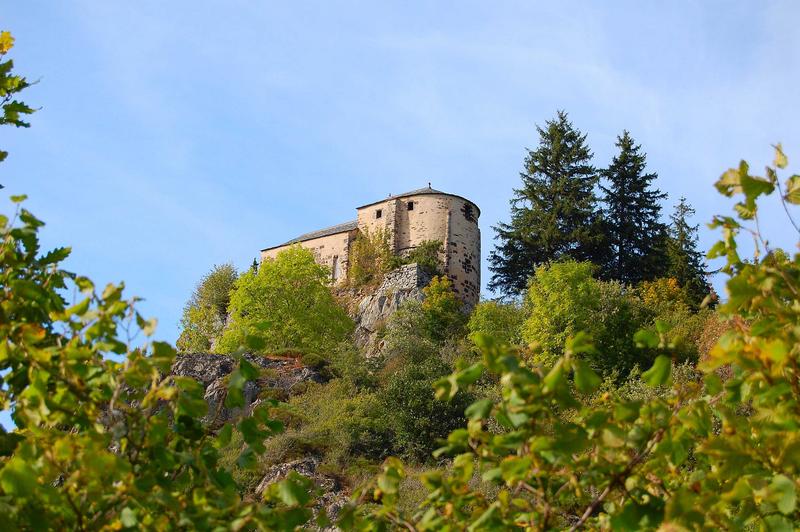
[
  {"x": 415, "y": 418},
  {"x": 564, "y": 298},
  {"x": 206, "y": 311},
  {"x": 406, "y": 338},
  {"x": 501, "y": 321},
  {"x": 442, "y": 310},
  {"x": 428, "y": 255},
  {"x": 370, "y": 257},
  {"x": 287, "y": 304},
  {"x": 334, "y": 421}
]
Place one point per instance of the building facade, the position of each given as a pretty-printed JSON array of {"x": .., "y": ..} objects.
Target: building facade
[{"x": 409, "y": 219}]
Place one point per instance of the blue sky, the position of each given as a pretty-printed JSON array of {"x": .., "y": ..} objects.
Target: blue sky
[{"x": 176, "y": 135}]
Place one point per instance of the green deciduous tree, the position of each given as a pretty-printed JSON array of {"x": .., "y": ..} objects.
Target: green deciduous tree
[
  {"x": 414, "y": 417},
  {"x": 564, "y": 298},
  {"x": 442, "y": 310},
  {"x": 206, "y": 311},
  {"x": 554, "y": 214},
  {"x": 684, "y": 261},
  {"x": 634, "y": 234},
  {"x": 501, "y": 321},
  {"x": 287, "y": 304}
]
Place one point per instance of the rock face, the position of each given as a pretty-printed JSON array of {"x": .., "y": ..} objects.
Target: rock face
[
  {"x": 332, "y": 498},
  {"x": 281, "y": 377},
  {"x": 397, "y": 286}
]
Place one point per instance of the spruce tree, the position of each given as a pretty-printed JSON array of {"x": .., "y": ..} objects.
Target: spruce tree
[
  {"x": 553, "y": 214},
  {"x": 684, "y": 262},
  {"x": 634, "y": 234}
]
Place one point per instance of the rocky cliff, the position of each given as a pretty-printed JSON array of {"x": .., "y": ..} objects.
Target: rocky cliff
[
  {"x": 281, "y": 377},
  {"x": 375, "y": 307}
]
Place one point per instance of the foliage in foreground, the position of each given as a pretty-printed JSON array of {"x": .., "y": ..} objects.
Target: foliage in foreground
[
  {"x": 104, "y": 444},
  {"x": 13, "y": 110},
  {"x": 707, "y": 454}
]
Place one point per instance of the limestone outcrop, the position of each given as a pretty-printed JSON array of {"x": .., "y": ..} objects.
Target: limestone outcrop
[
  {"x": 281, "y": 377},
  {"x": 332, "y": 497},
  {"x": 397, "y": 287}
]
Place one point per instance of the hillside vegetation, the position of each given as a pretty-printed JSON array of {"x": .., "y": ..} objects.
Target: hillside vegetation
[{"x": 593, "y": 397}]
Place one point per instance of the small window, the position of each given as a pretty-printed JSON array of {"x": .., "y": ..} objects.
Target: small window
[
  {"x": 379, "y": 213},
  {"x": 410, "y": 205},
  {"x": 467, "y": 210}
]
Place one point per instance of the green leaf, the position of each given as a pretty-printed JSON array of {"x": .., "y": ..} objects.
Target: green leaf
[
  {"x": 224, "y": 436},
  {"x": 54, "y": 256},
  {"x": 248, "y": 370},
  {"x": 515, "y": 468},
  {"x": 586, "y": 380},
  {"x": 294, "y": 489},
  {"x": 778, "y": 523},
  {"x": 255, "y": 343},
  {"x": 555, "y": 377},
  {"x": 646, "y": 338},
  {"x": 661, "y": 372},
  {"x": 128, "y": 518},
  {"x": 247, "y": 459},
  {"x": 252, "y": 434},
  {"x": 782, "y": 493},
  {"x": 479, "y": 409},
  {"x": 580, "y": 343},
  {"x": 639, "y": 517},
  {"x": 17, "y": 478},
  {"x": 470, "y": 374},
  {"x": 780, "y": 158},
  {"x": 793, "y": 190},
  {"x": 9, "y": 442}
]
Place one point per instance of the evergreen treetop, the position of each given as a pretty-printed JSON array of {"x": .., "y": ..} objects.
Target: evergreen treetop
[
  {"x": 684, "y": 262},
  {"x": 634, "y": 234},
  {"x": 553, "y": 213}
]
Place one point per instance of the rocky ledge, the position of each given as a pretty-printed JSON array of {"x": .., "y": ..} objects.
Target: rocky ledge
[
  {"x": 374, "y": 309},
  {"x": 282, "y": 377}
]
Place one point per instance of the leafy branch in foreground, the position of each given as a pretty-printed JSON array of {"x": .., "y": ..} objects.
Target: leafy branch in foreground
[
  {"x": 10, "y": 85},
  {"x": 556, "y": 452},
  {"x": 106, "y": 444}
]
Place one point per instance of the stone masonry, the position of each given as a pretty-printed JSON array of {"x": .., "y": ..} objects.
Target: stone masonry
[{"x": 410, "y": 219}]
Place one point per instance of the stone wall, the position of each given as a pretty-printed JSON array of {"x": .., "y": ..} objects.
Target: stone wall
[
  {"x": 463, "y": 250},
  {"x": 449, "y": 219},
  {"x": 397, "y": 287},
  {"x": 332, "y": 251}
]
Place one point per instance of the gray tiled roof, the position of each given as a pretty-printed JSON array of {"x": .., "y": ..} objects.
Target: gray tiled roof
[
  {"x": 418, "y": 192},
  {"x": 340, "y": 228}
]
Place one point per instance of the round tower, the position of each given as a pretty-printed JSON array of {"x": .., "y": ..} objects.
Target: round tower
[{"x": 428, "y": 214}]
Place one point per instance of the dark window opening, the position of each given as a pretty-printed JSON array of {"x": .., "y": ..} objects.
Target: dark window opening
[
  {"x": 378, "y": 213},
  {"x": 410, "y": 205},
  {"x": 467, "y": 210}
]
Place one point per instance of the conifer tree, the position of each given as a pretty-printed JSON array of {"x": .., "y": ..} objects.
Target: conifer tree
[
  {"x": 635, "y": 237},
  {"x": 553, "y": 214},
  {"x": 684, "y": 262}
]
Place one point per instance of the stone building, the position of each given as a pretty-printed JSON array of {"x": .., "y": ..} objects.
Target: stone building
[{"x": 409, "y": 219}]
